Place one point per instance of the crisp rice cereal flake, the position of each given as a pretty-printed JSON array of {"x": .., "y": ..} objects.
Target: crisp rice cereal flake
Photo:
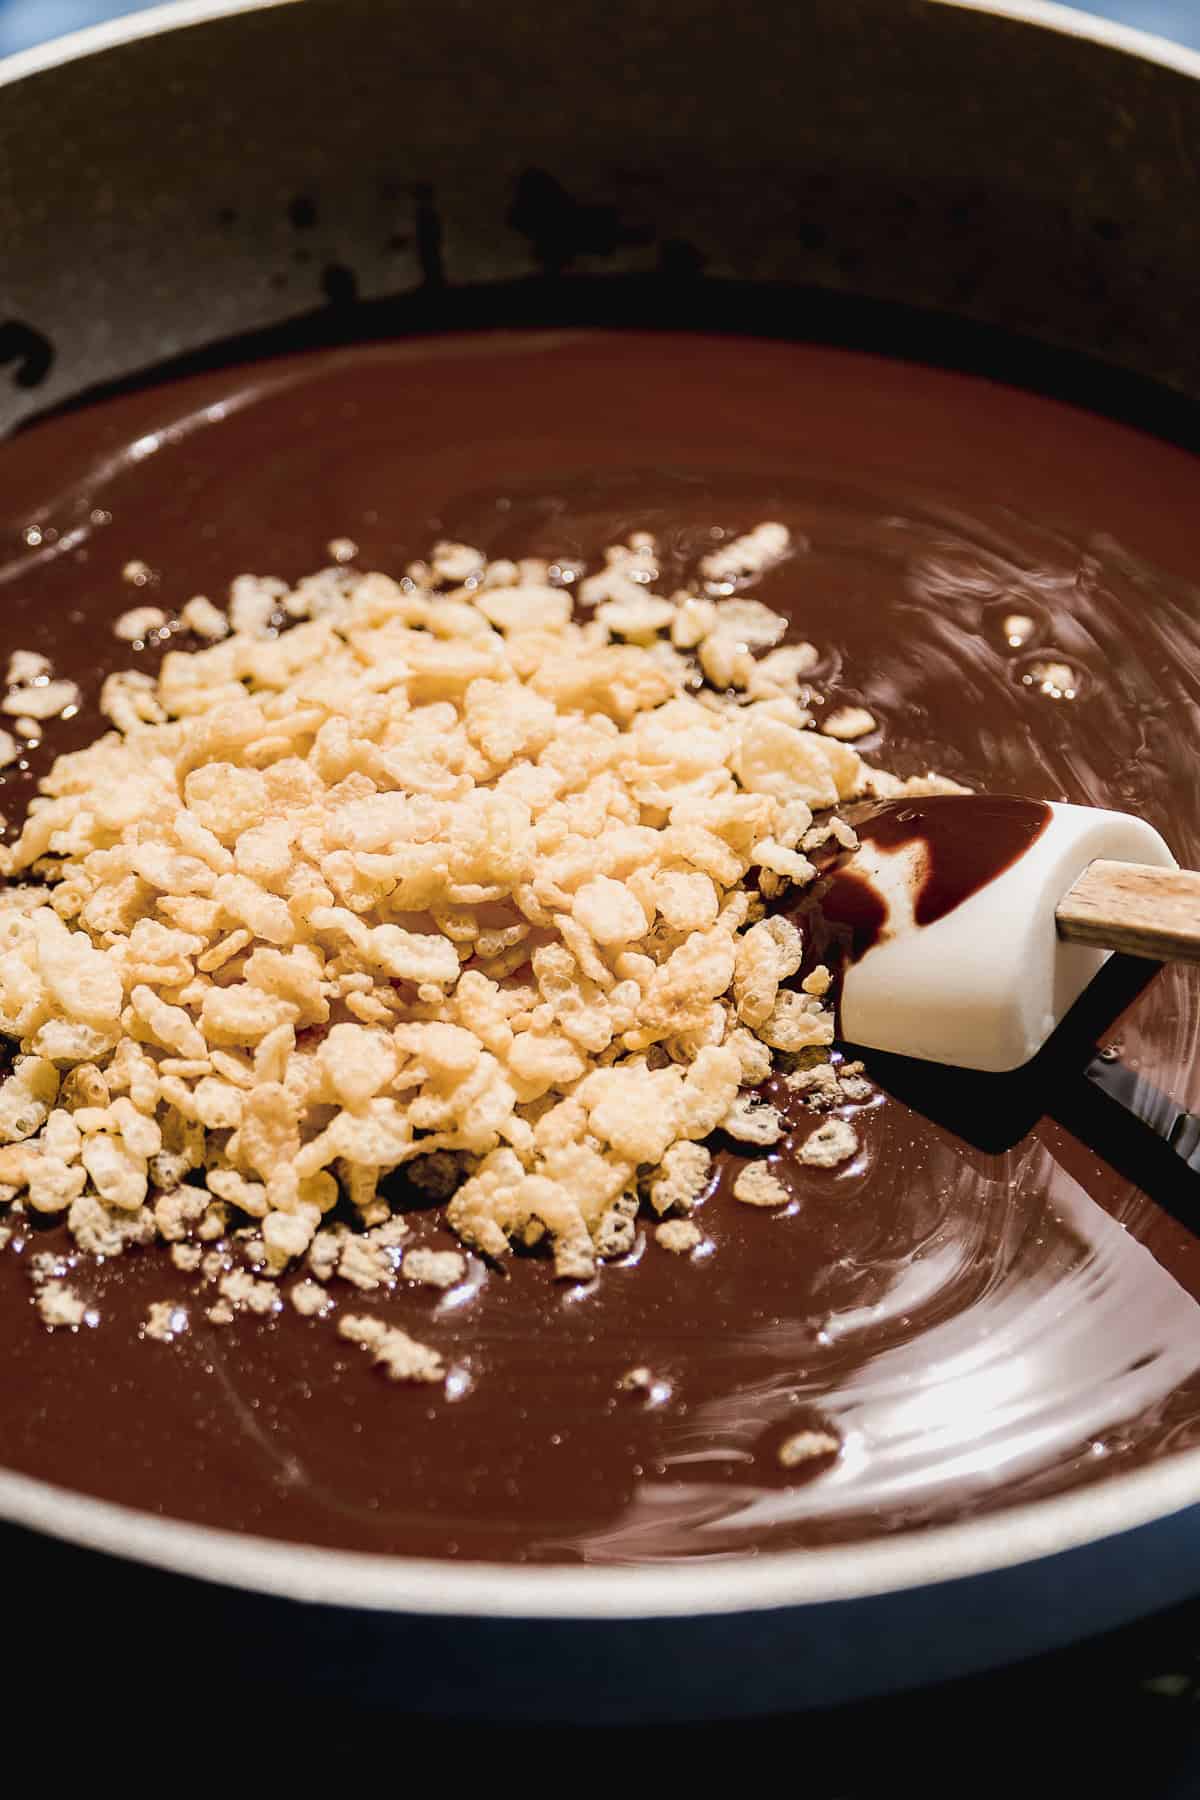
[
  {"x": 802, "y": 1446},
  {"x": 832, "y": 1143},
  {"x": 678, "y": 1235},
  {"x": 757, "y": 1185},
  {"x": 434, "y": 1268}
]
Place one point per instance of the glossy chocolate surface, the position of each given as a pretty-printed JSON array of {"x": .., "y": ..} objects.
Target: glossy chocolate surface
[{"x": 998, "y": 1297}]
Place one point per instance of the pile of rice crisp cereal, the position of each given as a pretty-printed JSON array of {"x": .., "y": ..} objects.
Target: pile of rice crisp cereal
[{"x": 431, "y": 875}]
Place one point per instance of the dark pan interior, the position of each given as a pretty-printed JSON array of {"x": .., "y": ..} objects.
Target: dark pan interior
[{"x": 356, "y": 165}]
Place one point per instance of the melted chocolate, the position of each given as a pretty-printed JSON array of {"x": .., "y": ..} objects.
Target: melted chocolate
[
  {"x": 966, "y": 842},
  {"x": 981, "y": 1306},
  {"x": 854, "y": 916}
]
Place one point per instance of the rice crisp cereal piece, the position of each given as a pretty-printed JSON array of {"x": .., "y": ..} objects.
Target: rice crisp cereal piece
[
  {"x": 434, "y": 1268},
  {"x": 401, "y": 1357},
  {"x": 832, "y": 1143},
  {"x": 802, "y": 1446},
  {"x": 138, "y": 623},
  {"x": 753, "y": 1121},
  {"x": 25, "y": 667},
  {"x": 310, "y": 1299},
  {"x": 41, "y": 701},
  {"x": 849, "y": 722},
  {"x": 681, "y": 1178},
  {"x": 757, "y": 1185},
  {"x": 678, "y": 1235},
  {"x": 164, "y": 1321},
  {"x": 207, "y": 621},
  {"x": 60, "y": 1306},
  {"x": 747, "y": 555}
]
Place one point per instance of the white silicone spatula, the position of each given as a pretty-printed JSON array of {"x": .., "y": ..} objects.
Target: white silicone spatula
[{"x": 974, "y": 922}]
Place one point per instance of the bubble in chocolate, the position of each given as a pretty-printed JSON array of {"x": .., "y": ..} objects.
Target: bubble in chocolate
[
  {"x": 1018, "y": 629},
  {"x": 1051, "y": 676}
]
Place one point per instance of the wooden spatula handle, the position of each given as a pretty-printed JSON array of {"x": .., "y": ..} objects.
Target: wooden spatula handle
[{"x": 1139, "y": 910}]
